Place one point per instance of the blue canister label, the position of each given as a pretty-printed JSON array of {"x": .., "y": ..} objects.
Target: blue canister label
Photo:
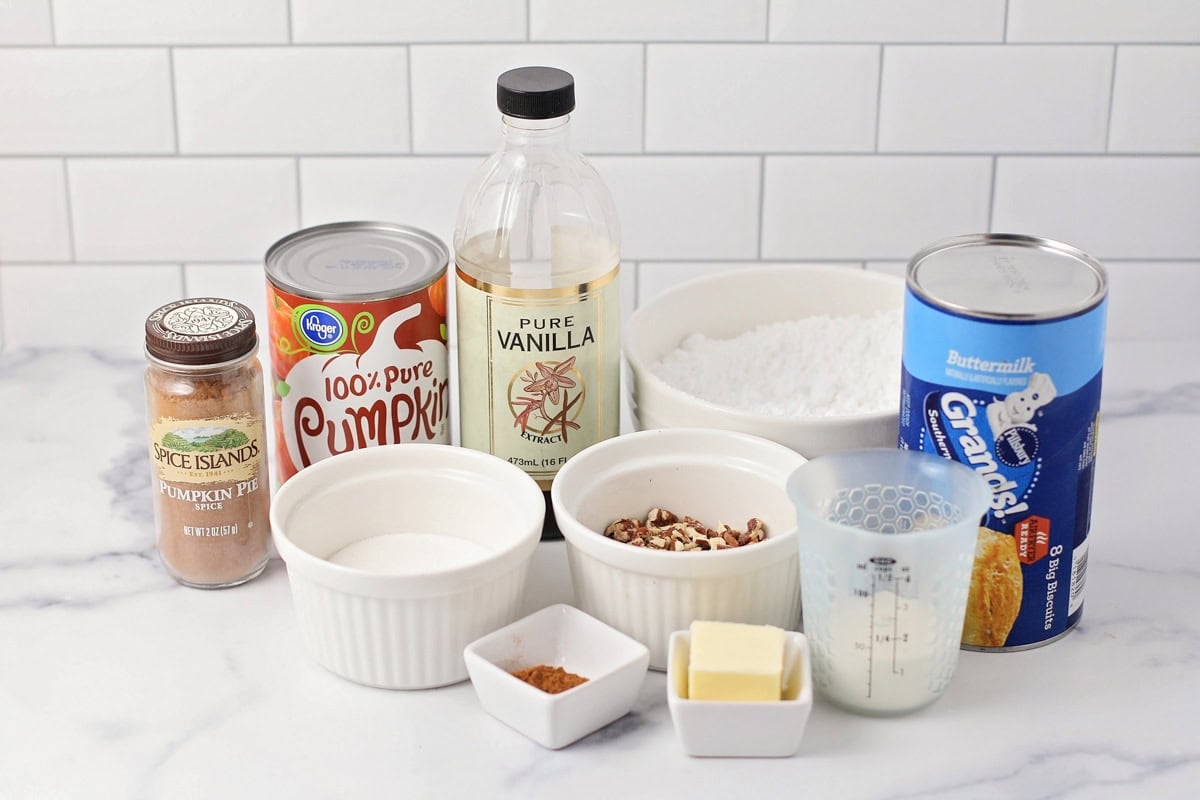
[{"x": 1018, "y": 402}]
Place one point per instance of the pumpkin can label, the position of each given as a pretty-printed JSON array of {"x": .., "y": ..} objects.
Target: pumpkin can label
[{"x": 348, "y": 375}]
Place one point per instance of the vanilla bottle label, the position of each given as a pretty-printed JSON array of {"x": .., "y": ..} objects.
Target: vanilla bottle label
[{"x": 538, "y": 370}]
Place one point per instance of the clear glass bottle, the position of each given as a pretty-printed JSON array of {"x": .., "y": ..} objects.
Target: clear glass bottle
[
  {"x": 537, "y": 255},
  {"x": 207, "y": 442}
]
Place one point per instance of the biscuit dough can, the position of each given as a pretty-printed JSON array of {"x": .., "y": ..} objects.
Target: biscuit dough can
[
  {"x": 357, "y": 321},
  {"x": 1002, "y": 360}
]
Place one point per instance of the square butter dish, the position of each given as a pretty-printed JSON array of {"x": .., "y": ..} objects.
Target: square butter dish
[
  {"x": 557, "y": 636},
  {"x": 747, "y": 729}
]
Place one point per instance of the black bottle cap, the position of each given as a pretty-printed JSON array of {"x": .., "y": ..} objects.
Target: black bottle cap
[{"x": 535, "y": 93}]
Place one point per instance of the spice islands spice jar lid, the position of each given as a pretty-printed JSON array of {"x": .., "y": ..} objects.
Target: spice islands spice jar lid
[
  {"x": 200, "y": 331},
  {"x": 356, "y": 261}
]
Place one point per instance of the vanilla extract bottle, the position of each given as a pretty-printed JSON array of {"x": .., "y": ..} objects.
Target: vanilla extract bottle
[{"x": 537, "y": 256}]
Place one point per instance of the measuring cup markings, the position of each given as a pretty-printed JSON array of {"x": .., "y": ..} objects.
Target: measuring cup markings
[{"x": 882, "y": 575}]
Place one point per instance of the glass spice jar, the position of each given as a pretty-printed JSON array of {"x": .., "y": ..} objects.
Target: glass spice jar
[{"x": 204, "y": 400}]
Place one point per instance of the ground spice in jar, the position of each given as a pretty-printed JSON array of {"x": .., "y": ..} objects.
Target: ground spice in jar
[
  {"x": 204, "y": 400},
  {"x": 551, "y": 680}
]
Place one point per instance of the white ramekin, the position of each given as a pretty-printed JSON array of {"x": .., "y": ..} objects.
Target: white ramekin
[
  {"x": 405, "y": 631},
  {"x": 712, "y": 475}
]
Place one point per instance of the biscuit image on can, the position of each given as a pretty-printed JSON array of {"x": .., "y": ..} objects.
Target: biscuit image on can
[{"x": 996, "y": 589}]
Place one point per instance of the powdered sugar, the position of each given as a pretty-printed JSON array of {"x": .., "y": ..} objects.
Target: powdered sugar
[{"x": 817, "y": 366}]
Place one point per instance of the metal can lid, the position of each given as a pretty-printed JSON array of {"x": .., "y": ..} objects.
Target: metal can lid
[
  {"x": 200, "y": 330},
  {"x": 1007, "y": 276},
  {"x": 356, "y": 261}
]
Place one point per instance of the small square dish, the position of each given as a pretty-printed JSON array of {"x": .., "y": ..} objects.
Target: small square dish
[
  {"x": 713, "y": 728},
  {"x": 557, "y": 636}
]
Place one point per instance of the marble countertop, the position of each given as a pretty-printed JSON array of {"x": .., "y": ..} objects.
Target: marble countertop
[{"x": 117, "y": 683}]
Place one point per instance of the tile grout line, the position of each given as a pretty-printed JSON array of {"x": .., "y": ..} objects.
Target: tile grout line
[
  {"x": 299, "y": 196},
  {"x": 767, "y": 26},
  {"x": 1112, "y": 97},
  {"x": 528, "y": 23},
  {"x": 174, "y": 97},
  {"x": 587, "y": 43},
  {"x": 645, "y": 85},
  {"x": 291, "y": 33},
  {"x": 1004, "y": 32},
  {"x": 53, "y": 26},
  {"x": 402, "y": 155},
  {"x": 992, "y": 197},
  {"x": 70, "y": 211},
  {"x": 762, "y": 199},
  {"x": 879, "y": 97},
  {"x": 409, "y": 89},
  {"x": 183, "y": 281}
]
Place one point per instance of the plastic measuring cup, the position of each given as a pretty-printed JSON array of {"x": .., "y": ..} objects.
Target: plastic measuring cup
[{"x": 887, "y": 539}]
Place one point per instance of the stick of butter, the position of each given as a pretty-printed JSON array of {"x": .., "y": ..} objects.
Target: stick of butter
[{"x": 732, "y": 661}]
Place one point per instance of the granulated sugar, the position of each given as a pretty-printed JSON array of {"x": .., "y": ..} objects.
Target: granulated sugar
[{"x": 814, "y": 366}]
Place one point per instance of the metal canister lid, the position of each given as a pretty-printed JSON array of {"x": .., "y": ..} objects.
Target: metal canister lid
[
  {"x": 356, "y": 261},
  {"x": 200, "y": 331},
  {"x": 1008, "y": 277}
]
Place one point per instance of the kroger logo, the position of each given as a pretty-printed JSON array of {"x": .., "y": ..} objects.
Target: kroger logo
[{"x": 321, "y": 327}]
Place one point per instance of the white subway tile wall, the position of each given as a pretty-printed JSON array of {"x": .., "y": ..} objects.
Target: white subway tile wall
[
  {"x": 1153, "y": 300},
  {"x": 99, "y": 306},
  {"x": 25, "y": 22},
  {"x": 870, "y": 207},
  {"x": 71, "y": 100},
  {"x": 685, "y": 207},
  {"x": 657, "y": 277},
  {"x": 638, "y": 20},
  {"x": 1103, "y": 21},
  {"x": 1007, "y": 98},
  {"x": 171, "y": 22},
  {"x": 292, "y": 99},
  {"x": 189, "y": 209},
  {"x": 399, "y": 21},
  {"x": 33, "y": 210},
  {"x": 887, "y": 21},
  {"x": 1126, "y": 208},
  {"x": 152, "y": 148},
  {"x": 424, "y": 192},
  {"x": 729, "y": 98},
  {"x": 1156, "y": 100}
]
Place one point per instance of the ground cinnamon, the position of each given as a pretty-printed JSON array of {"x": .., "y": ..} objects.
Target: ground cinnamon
[
  {"x": 551, "y": 680},
  {"x": 204, "y": 398}
]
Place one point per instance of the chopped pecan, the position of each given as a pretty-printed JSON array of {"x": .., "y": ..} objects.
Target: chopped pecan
[
  {"x": 660, "y": 518},
  {"x": 663, "y": 530}
]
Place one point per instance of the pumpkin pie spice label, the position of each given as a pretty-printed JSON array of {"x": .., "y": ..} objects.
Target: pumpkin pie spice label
[{"x": 214, "y": 450}]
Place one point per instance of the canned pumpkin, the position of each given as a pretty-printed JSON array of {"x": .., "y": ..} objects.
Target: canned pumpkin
[{"x": 358, "y": 340}]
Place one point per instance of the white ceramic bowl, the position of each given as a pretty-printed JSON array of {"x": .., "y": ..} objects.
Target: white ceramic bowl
[
  {"x": 725, "y": 305},
  {"x": 765, "y": 729},
  {"x": 714, "y": 476},
  {"x": 557, "y": 636},
  {"x": 405, "y": 631}
]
